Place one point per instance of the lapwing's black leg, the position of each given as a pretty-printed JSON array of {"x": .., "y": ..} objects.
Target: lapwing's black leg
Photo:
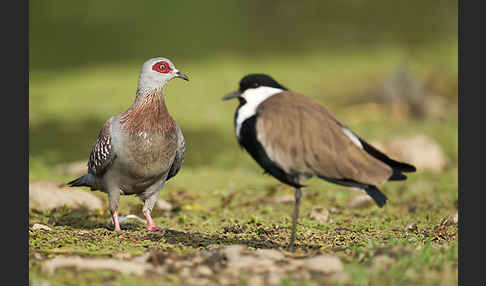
[{"x": 298, "y": 195}]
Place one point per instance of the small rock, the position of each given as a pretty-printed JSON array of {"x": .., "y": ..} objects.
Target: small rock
[
  {"x": 411, "y": 226},
  {"x": 324, "y": 263},
  {"x": 39, "y": 282},
  {"x": 45, "y": 195},
  {"x": 382, "y": 263},
  {"x": 293, "y": 264},
  {"x": 198, "y": 259},
  {"x": 124, "y": 267},
  {"x": 233, "y": 252},
  {"x": 361, "y": 201},
  {"x": 142, "y": 258},
  {"x": 420, "y": 150},
  {"x": 81, "y": 232},
  {"x": 334, "y": 211},
  {"x": 273, "y": 278},
  {"x": 234, "y": 228},
  {"x": 214, "y": 259},
  {"x": 286, "y": 199},
  {"x": 256, "y": 280},
  {"x": 122, "y": 255},
  {"x": 198, "y": 281},
  {"x": 340, "y": 277},
  {"x": 303, "y": 275},
  {"x": 163, "y": 205},
  {"x": 183, "y": 264},
  {"x": 451, "y": 220},
  {"x": 226, "y": 280},
  {"x": 185, "y": 272},
  {"x": 37, "y": 256},
  {"x": 269, "y": 254},
  {"x": 321, "y": 215},
  {"x": 203, "y": 270},
  {"x": 41, "y": 226},
  {"x": 249, "y": 262}
]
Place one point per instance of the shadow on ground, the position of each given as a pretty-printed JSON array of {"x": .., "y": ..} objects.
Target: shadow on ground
[
  {"x": 84, "y": 219},
  {"x": 197, "y": 239},
  {"x": 81, "y": 218}
]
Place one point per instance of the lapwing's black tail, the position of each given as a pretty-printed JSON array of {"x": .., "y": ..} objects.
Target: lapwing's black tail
[
  {"x": 397, "y": 167},
  {"x": 379, "y": 198},
  {"x": 397, "y": 176}
]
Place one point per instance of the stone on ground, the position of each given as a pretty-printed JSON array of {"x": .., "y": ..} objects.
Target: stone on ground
[
  {"x": 420, "y": 150},
  {"x": 360, "y": 201},
  {"x": 46, "y": 195}
]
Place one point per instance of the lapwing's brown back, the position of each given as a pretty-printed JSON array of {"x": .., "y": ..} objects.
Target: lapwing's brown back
[{"x": 302, "y": 136}]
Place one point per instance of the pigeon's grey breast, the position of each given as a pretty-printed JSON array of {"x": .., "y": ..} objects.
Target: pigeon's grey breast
[{"x": 149, "y": 153}]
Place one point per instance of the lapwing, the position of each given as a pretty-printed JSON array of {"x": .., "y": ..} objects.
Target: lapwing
[
  {"x": 138, "y": 150},
  {"x": 294, "y": 138}
]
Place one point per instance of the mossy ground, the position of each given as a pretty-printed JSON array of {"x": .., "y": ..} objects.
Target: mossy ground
[{"x": 221, "y": 197}]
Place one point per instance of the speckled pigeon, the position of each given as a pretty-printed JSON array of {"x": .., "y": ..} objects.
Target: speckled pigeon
[{"x": 138, "y": 150}]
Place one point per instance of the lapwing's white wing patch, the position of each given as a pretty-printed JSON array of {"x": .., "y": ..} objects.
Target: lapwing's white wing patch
[
  {"x": 353, "y": 137},
  {"x": 253, "y": 97}
]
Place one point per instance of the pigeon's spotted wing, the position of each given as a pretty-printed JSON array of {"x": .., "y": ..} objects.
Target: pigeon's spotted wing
[
  {"x": 302, "y": 136},
  {"x": 179, "y": 156},
  {"x": 102, "y": 154}
]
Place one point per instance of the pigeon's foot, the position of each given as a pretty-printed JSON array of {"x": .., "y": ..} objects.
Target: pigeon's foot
[
  {"x": 116, "y": 223},
  {"x": 153, "y": 227},
  {"x": 150, "y": 223}
]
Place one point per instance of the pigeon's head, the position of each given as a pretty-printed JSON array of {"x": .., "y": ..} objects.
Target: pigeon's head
[
  {"x": 255, "y": 85},
  {"x": 157, "y": 72}
]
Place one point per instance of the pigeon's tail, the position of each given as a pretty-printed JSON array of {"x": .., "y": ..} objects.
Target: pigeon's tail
[{"x": 86, "y": 180}]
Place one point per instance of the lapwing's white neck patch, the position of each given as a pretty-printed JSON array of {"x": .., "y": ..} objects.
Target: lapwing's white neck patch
[{"x": 253, "y": 98}]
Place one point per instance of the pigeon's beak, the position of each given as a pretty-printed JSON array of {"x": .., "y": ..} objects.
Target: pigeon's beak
[
  {"x": 181, "y": 75},
  {"x": 234, "y": 94}
]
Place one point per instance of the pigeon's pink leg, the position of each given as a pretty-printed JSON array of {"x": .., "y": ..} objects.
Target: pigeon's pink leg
[
  {"x": 150, "y": 223},
  {"x": 114, "y": 216}
]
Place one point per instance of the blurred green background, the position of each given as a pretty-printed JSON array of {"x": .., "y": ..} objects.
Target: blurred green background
[
  {"x": 85, "y": 58},
  {"x": 65, "y": 34},
  {"x": 387, "y": 69}
]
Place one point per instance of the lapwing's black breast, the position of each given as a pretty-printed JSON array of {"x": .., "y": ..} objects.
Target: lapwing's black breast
[
  {"x": 242, "y": 102},
  {"x": 248, "y": 140}
]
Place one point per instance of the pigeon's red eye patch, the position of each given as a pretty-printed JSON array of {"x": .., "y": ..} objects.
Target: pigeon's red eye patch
[{"x": 161, "y": 67}]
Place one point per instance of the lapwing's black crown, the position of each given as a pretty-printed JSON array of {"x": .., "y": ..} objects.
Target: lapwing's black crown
[{"x": 258, "y": 79}]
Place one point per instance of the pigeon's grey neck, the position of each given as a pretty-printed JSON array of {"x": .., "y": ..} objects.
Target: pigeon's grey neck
[
  {"x": 151, "y": 81},
  {"x": 149, "y": 96},
  {"x": 148, "y": 91}
]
